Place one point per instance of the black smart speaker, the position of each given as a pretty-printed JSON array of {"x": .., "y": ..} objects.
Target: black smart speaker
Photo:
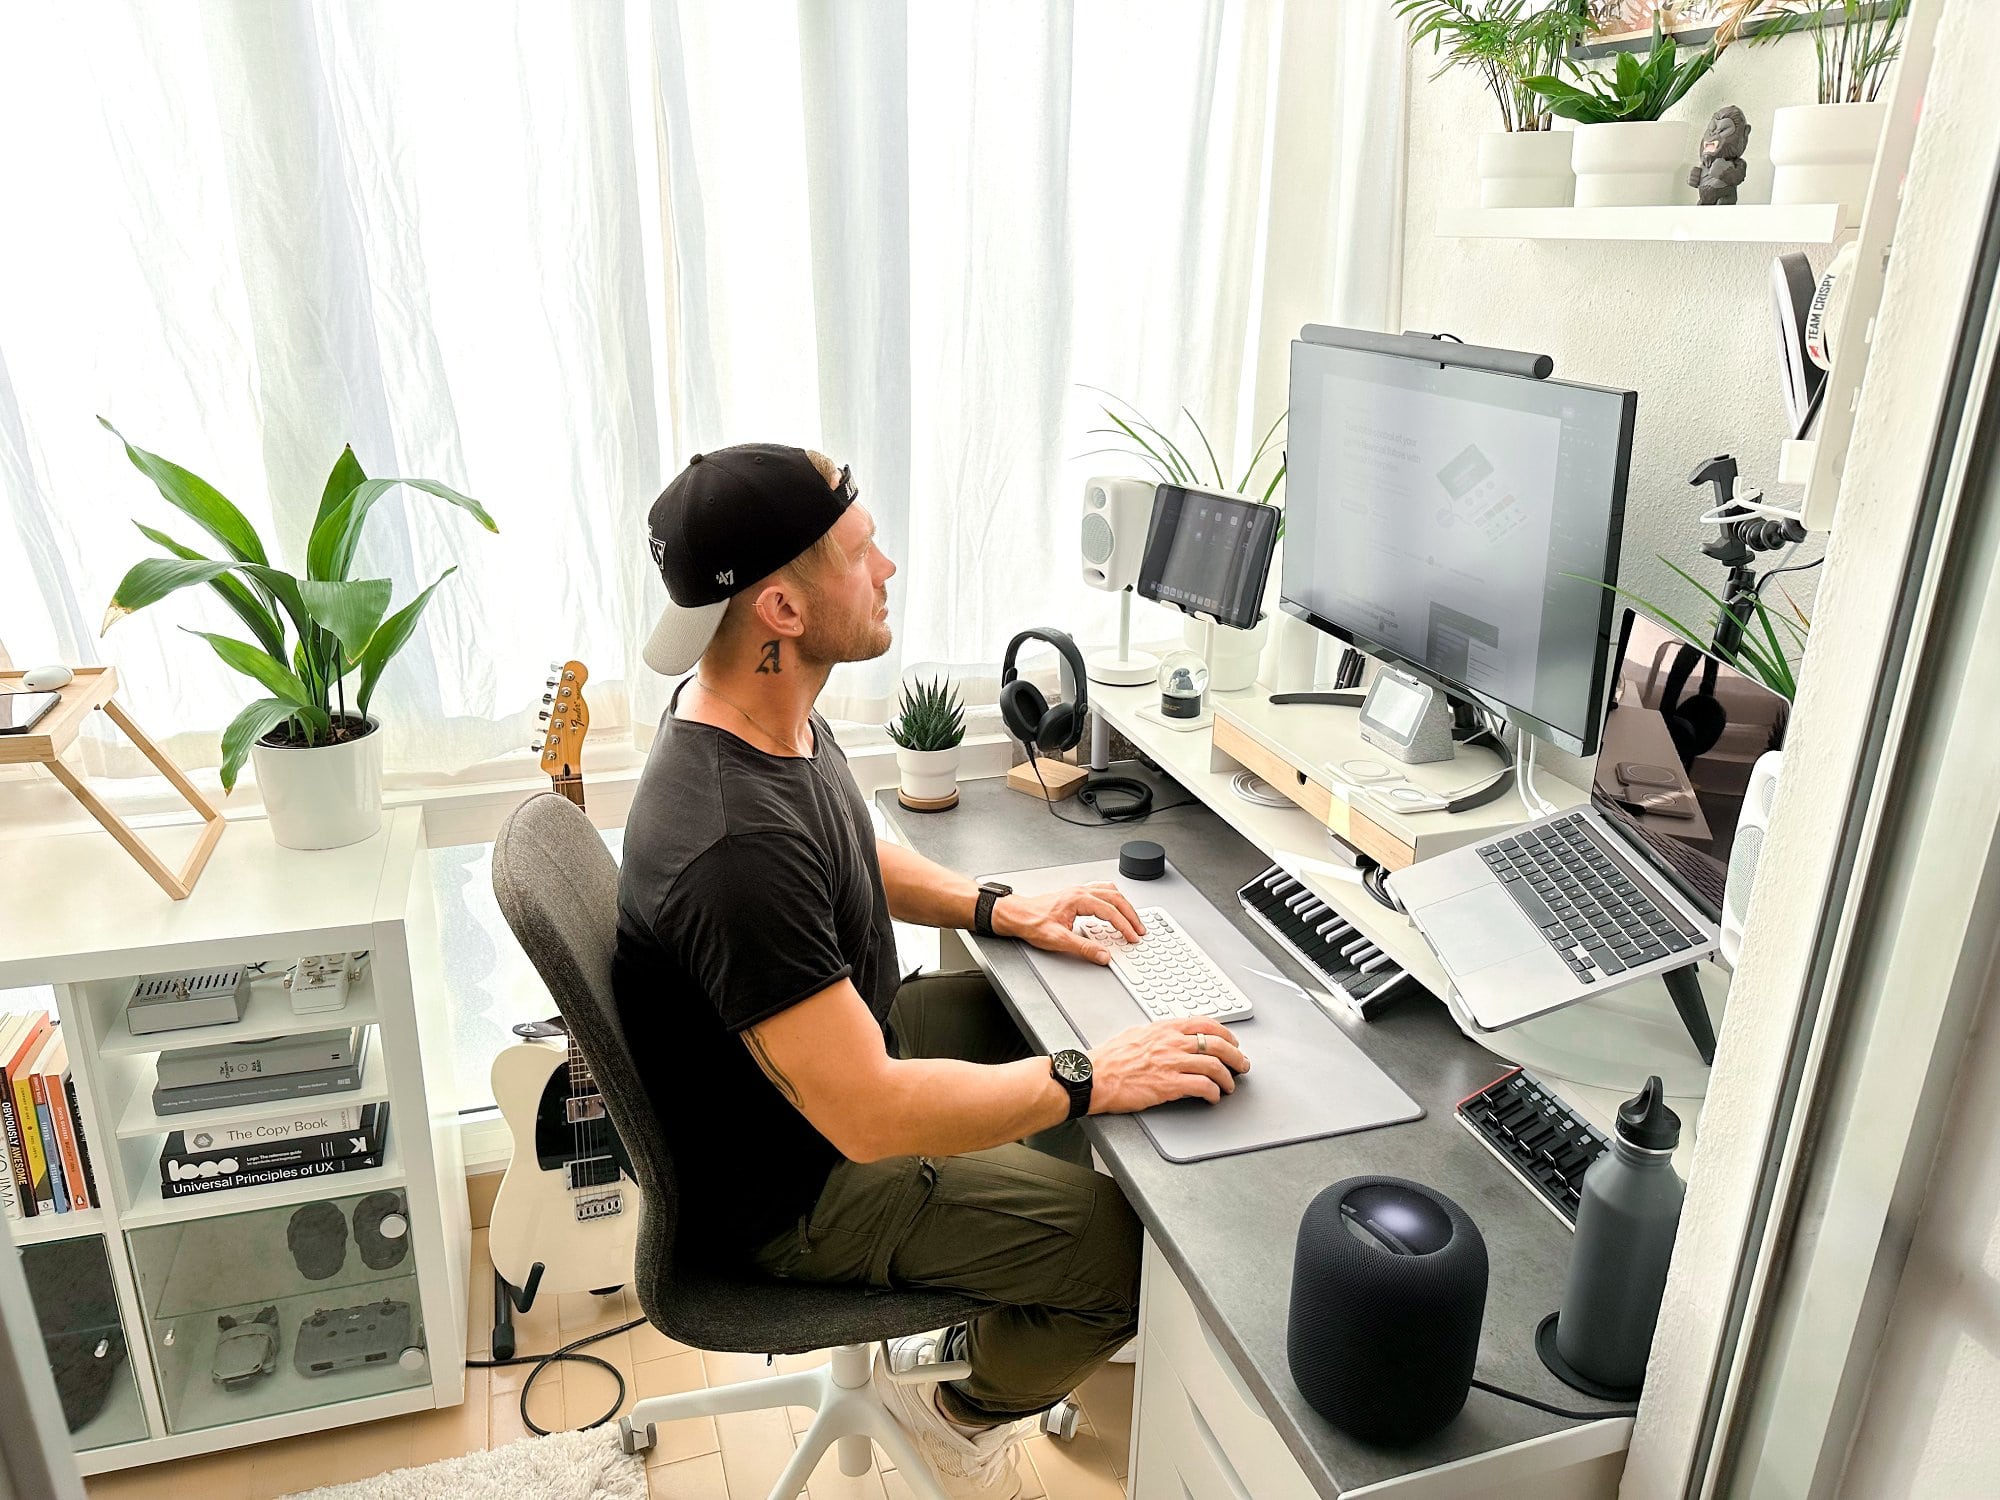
[{"x": 1388, "y": 1292}]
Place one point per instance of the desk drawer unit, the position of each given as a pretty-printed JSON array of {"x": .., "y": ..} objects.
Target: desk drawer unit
[
  {"x": 1199, "y": 1428},
  {"x": 1288, "y": 780}
]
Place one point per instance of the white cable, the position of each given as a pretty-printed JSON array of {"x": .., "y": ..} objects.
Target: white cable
[{"x": 1538, "y": 805}]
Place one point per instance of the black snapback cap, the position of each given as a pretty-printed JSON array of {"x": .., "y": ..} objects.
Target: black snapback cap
[{"x": 730, "y": 518}]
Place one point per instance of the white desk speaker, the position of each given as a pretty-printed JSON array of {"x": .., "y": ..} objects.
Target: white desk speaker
[
  {"x": 1758, "y": 799},
  {"x": 1116, "y": 515}
]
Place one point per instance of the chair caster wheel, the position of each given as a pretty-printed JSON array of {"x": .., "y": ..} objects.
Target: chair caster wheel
[
  {"x": 633, "y": 1439},
  {"x": 1059, "y": 1421}
]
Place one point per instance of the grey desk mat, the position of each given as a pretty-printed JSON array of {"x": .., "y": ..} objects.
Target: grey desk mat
[{"x": 1306, "y": 1078}]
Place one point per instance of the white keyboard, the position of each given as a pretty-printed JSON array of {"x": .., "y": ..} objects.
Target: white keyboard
[{"x": 1167, "y": 972}]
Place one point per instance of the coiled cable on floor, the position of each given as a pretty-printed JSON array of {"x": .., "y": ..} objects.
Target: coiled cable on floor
[{"x": 567, "y": 1354}]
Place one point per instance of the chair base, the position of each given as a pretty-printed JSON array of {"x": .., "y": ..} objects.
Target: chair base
[{"x": 845, "y": 1412}]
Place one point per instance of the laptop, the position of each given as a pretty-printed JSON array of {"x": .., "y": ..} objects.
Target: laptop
[{"x": 1629, "y": 887}]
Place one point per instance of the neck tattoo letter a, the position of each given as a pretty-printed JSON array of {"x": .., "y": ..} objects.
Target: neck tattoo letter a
[{"x": 770, "y": 659}]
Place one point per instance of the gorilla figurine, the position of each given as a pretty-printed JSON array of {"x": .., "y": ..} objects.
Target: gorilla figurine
[{"x": 1721, "y": 170}]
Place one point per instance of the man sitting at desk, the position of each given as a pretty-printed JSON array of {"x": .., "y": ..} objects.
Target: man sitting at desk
[{"x": 830, "y": 1121}]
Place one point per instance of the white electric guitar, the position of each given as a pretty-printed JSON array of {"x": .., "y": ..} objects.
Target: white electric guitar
[{"x": 566, "y": 1217}]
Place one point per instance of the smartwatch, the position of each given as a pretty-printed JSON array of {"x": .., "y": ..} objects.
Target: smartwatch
[
  {"x": 982, "y": 910},
  {"x": 1071, "y": 1069}
]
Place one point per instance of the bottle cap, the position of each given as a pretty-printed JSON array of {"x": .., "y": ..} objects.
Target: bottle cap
[{"x": 1645, "y": 1121}]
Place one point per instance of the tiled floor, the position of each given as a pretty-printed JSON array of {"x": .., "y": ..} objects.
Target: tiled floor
[{"x": 721, "y": 1458}]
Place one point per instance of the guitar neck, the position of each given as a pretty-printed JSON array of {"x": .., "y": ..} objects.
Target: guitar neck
[{"x": 570, "y": 785}]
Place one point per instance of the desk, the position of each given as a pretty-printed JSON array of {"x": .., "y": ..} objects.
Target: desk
[{"x": 1221, "y": 1233}]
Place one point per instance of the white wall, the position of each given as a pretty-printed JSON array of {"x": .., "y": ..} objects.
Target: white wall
[{"x": 1685, "y": 325}]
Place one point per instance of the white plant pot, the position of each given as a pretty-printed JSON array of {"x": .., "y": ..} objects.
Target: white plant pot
[
  {"x": 928, "y": 775},
  {"x": 1525, "y": 169},
  {"x": 1825, "y": 153},
  {"x": 1234, "y": 657},
  {"x": 1632, "y": 162},
  {"x": 323, "y": 797}
]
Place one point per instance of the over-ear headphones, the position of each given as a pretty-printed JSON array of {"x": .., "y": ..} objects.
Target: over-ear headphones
[
  {"x": 1043, "y": 728},
  {"x": 1696, "y": 722}
]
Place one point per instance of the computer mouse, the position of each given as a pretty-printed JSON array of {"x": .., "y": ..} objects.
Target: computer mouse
[{"x": 46, "y": 679}]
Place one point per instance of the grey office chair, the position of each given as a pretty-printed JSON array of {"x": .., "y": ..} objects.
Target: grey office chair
[{"x": 558, "y": 888}]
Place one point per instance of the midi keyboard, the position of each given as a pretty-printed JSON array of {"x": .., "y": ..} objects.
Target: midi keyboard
[{"x": 1356, "y": 973}]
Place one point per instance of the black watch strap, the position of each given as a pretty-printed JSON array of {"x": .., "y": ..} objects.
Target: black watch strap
[{"x": 982, "y": 910}]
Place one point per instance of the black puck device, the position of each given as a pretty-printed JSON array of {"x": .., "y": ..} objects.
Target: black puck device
[
  {"x": 1142, "y": 859},
  {"x": 1388, "y": 1294}
]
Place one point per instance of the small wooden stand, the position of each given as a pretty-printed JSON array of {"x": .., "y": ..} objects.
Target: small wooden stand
[
  {"x": 1062, "y": 779},
  {"x": 90, "y": 689}
]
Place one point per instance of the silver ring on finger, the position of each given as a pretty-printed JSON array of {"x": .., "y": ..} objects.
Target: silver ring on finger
[{"x": 1201, "y": 1043}]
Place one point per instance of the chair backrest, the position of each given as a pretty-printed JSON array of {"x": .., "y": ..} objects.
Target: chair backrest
[{"x": 557, "y": 886}]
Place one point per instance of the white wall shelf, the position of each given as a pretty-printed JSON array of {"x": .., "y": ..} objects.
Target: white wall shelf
[
  {"x": 87, "y": 924},
  {"x": 1742, "y": 223}
]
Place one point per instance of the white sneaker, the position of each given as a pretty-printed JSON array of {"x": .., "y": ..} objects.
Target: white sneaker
[{"x": 981, "y": 1466}]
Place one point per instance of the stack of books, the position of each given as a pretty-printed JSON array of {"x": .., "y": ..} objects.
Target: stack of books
[
  {"x": 48, "y": 1159},
  {"x": 282, "y": 1148},
  {"x": 276, "y": 1070}
]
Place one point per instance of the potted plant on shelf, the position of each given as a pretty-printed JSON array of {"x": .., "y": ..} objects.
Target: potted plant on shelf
[
  {"x": 1825, "y": 152},
  {"x": 1235, "y": 654},
  {"x": 1624, "y": 153},
  {"x": 929, "y": 730},
  {"x": 1526, "y": 162},
  {"x": 318, "y": 755}
]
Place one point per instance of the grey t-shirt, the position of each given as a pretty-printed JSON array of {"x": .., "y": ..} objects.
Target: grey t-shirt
[{"x": 749, "y": 883}]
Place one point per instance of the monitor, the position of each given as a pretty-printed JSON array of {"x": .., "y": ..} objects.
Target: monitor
[
  {"x": 1459, "y": 522},
  {"x": 1681, "y": 733}
]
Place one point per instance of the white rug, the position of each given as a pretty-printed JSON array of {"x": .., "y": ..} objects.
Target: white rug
[{"x": 563, "y": 1466}]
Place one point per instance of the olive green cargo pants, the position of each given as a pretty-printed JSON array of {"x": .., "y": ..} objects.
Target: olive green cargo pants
[{"x": 1051, "y": 1243}]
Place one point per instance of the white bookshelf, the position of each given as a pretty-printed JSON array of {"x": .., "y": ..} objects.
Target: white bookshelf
[{"x": 87, "y": 923}]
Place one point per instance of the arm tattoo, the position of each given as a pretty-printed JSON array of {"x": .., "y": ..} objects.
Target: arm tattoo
[
  {"x": 771, "y": 1069},
  {"x": 769, "y": 663}
]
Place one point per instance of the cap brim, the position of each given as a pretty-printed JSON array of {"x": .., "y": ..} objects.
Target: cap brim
[{"x": 681, "y": 636}]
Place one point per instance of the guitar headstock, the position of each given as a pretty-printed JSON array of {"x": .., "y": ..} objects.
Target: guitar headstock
[{"x": 565, "y": 720}]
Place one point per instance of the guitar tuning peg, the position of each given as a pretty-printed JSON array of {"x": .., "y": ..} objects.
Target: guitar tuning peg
[
  {"x": 555, "y": 669},
  {"x": 543, "y": 715},
  {"x": 536, "y": 747},
  {"x": 549, "y": 697}
]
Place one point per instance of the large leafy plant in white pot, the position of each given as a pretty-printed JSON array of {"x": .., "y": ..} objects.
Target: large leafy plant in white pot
[
  {"x": 1233, "y": 655},
  {"x": 316, "y": 748},
  {"x": 1503, "y": 43},
  {"x": 1825, "y": 152},
  {"x": 1625, "y": 154}
]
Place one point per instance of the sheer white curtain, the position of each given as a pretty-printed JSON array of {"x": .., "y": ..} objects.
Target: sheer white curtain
[{"x": 544, "y": 252}]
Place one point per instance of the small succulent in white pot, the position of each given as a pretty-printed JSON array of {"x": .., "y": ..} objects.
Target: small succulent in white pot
[{"x": 929, "y": 731}]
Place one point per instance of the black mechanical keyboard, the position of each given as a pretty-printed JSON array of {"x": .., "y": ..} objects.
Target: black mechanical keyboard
[
  {"x": 1589, "y": 911},
  {"x": 1350, "y": 967},
  {"x": 1536, "y": 1136}
]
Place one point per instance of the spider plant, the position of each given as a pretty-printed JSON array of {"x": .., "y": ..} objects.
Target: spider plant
[
  {"x": 1772, "y": 642},
  {"x": 1636, "y": 90},
  {"x": 1504, "y": 43},
  {"x": 930, "y": 717},
  {"x": 1148, "y": 442},
  {"x": 308, "y": 635},
  {"x": 1854, "y": 41}
]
